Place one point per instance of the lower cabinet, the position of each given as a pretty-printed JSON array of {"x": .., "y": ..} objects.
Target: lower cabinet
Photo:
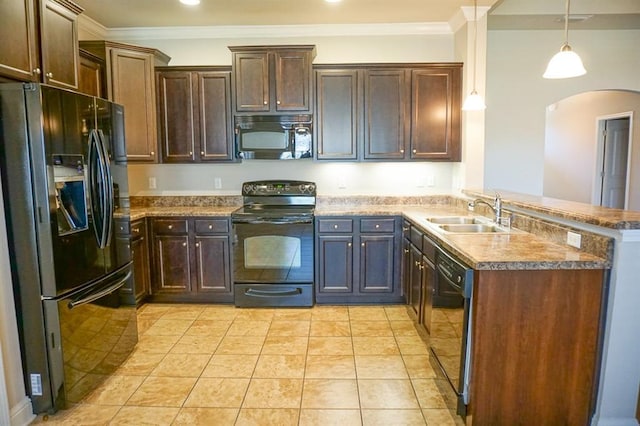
[
  {"x": 140, "y": 258},
  {"x": 191, "y": 260},
  {"x": 357, "y": 260}
]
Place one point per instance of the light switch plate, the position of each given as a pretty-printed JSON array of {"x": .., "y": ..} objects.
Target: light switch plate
[
  {"x": 574, "y": 239},
  {"x": 152, "y": 183}
]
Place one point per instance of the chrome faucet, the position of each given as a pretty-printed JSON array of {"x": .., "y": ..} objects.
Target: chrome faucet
[{"x": 496, "y": 208}]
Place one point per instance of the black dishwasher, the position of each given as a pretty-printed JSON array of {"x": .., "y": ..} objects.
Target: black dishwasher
[{"x": 449, "y": 341}]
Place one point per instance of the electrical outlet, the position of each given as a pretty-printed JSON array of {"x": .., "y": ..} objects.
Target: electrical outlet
[
  {"x": 574, "y": 239},
  {"x": 431, "y": 180},
  {"x": 152, "y": 183},
  {"x": 217, "y": 183},
  {"x": 342, "y": 183}
]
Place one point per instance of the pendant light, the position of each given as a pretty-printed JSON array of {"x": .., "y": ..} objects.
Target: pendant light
[
  {"x": 474, "y": 101},
  {"x": 566, "y": 63}
]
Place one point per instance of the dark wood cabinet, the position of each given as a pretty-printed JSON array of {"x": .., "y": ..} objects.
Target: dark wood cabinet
[
  {"x": 420, "y": 274},
  {"x": 19, "y": 56},
  {"x": 194, "y": 107},
  {"x": 131, "y": 82},
  {"x": 435, "y": 113},
  {"x": 140, "y": 258},
  {"x": 337, "y": 114},
  {"x": 91, "y": 75},
  {"x": 191, "y": 258},
  {"x": 272, "y": 79},
  {"x": 415, "y": 280},
  {"x": 388, "y": 112},
  {"x": 358, "y": 260},
  {"x": 40, "y": 41}
]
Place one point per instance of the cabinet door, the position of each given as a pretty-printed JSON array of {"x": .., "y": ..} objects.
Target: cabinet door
[
  {"x": 406, "y": 269},
  {"x": 132, "y": 85},
  {"x": 91, "y": 77},
  {"x": 19, "y": 56},
  {"x": 292, "y": 80},
  {"x": 123, "y": 254},
  {"x": 335, "y": 264},
  {"x": 428, "y": 280},
  {"x": 435, "y": 114},
  {"x": 173, "y": 264},
  {"x": 140, "y": 257},
  {"x": 213, "y": 266},
  {"x": 176, "y": 111},
  {"x": 59, "y": 44},
  {"x": 337, "y": 114},
  {"x": 377, "y": 263},
  {"x": 215, "y": 124},
  {"x": 385, "y": 103},
  {"x": 251, "y": 81},
  {"x": 415, "y": 279}
]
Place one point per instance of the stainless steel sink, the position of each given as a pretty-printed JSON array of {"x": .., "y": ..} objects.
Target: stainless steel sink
[
  {"x": 472, "y": 228},
  {"x": 453, "y": 220}
]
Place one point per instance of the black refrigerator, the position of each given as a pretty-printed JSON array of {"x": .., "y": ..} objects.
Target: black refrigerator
[{"x": 64, "y": 177}]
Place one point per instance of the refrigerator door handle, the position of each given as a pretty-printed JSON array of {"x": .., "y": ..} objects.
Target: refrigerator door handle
[
  {"x": 109, "y": 203},
  {"x": 95, "y": 296},
  {"x": 98, "y": 190}
]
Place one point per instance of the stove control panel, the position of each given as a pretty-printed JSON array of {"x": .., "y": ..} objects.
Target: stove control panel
[{"x": 278, "y": 188}]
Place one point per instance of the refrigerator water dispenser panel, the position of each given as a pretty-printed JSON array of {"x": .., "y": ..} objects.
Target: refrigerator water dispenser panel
[{"x": 71, "y": 194}]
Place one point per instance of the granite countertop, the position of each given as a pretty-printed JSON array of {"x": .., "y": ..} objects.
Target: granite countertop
[{"x": 204, "y": 211}]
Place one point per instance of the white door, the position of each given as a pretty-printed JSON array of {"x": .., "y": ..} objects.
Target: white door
[{"x": 614, "y": 170}]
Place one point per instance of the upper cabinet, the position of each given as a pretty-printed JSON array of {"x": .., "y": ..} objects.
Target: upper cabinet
[
  {"x": 194, "y": 111},
  {"x": 131, "y": 83},
  {"x": 394, "y": 112},
  {"x": 272, "y": 79},
  {"x": 47, "y": 53},
  {"x": 91, "y": 75}
]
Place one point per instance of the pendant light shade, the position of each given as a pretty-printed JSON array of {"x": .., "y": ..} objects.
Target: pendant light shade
[
  {"x": 474, "y": 101},
  {"x": 566, "y": 63}
]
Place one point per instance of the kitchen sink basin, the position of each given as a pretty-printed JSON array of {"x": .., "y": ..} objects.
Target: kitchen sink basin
[
  {"x": 472, "y": 228},
  {"x": 454, "y": 220}
]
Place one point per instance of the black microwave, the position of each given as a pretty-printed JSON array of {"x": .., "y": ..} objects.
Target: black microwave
[{"x": 274, "y": 137}]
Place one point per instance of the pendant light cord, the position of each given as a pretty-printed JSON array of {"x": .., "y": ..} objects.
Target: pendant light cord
[
  {"x": 475, "y": 41},
  {"x": 566, "y": 24}
]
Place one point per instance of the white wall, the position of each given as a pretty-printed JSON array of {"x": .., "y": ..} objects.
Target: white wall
[
  {"x": 332, "y": 178},
  {"x": 517, "y": 95},
  {"x": 571, "y": 144}
]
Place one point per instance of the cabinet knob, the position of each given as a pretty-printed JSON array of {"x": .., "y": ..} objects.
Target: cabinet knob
[
  {"x": 377, "y": 225},
  {"x": 197, "y": 244},
  {"x": 133, "y": 252},
  {"x": 152, "y": 153},
  {"x": 402, "y": 151},
  {"x": 37, "y": 71},
  {"x": 122, "y": 228},
  {"x": 49, "y": 75},
  {"x": 210, "y": 226},
  {"x": 128, "y": 246},
  {"x": 335, "y": 226},
  {"x": 170, "y": 226},
  {"x": 405, "y": 229},
  {"x": 414, "y": 151},
  {"x": 201, "y": 152},
  {"x": 406, "y": 251},
  {"x": 362, "y": 244},
  {"x": 184, "y": 244},
  {"x": 136, "y": 230},
  {"x": 190, "y": 152},
  {"x": 265, "y": 102},
  {"x": 417, "y": 263},
  {"x": 348, "y": 244},
  {"x": 278, "y": 102}
]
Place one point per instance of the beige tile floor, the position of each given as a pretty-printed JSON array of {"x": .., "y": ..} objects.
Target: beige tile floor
[{"x": 220, "y": 365}]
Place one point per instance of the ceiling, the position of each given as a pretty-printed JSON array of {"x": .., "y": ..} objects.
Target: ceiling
[{"x": 505, "y": 14}]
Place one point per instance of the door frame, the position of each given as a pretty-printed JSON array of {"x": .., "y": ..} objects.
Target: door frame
[{"x": 597, "y": 177}]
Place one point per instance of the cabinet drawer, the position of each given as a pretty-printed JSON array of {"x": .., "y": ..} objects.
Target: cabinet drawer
[
  {"x": 428, "y": 248},
  {"x": 138, "y": 229},
  {"x": 335, "y": 225},
  {"x": 415, "y": 236},
  {"x": 377, "y": 225},
  {"x": 212, "y": 226},
  {"x": 170, "y": 226},
  {"x": 122, "y": 228}
]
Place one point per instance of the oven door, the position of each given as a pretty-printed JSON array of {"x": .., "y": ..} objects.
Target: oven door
[{"x": 273, "y": 251}]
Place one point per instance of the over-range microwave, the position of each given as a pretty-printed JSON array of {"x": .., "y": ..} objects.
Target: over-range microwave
[{"x": 274, "y": 137}]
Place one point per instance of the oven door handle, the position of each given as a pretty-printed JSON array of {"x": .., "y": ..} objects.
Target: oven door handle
[
  {"x": 272, "y": 293},
  {"x": 272, "y": 221}
]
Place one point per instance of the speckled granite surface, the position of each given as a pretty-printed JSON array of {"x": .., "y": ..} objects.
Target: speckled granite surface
[
  {"x": 534, "y": 244},
  {"x": 586, "y": 213}
]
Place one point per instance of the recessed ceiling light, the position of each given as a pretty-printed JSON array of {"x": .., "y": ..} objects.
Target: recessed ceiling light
[{"x": 190, "y": 2}]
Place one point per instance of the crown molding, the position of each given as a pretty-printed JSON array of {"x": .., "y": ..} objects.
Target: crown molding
[
  {"x": 464, "y": 15},
  {"x": 262, "y": 31},
  {"x": 90, "y": 29}
]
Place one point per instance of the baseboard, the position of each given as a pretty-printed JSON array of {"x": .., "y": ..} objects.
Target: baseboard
[{"x": 22, "y": 413}]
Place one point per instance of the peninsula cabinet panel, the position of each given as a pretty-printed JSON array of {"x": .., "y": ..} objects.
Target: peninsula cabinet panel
[
  {"x": 435, "y": 113},
  {"x": 59, "y": 39},
  {"x": 336, "y": 117},
  {"x": 535, "y": 346},
  {"x": 19, "y": 57},
  {"x": 195, "y": 114},
  {"x": 386, "y": 102}
]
